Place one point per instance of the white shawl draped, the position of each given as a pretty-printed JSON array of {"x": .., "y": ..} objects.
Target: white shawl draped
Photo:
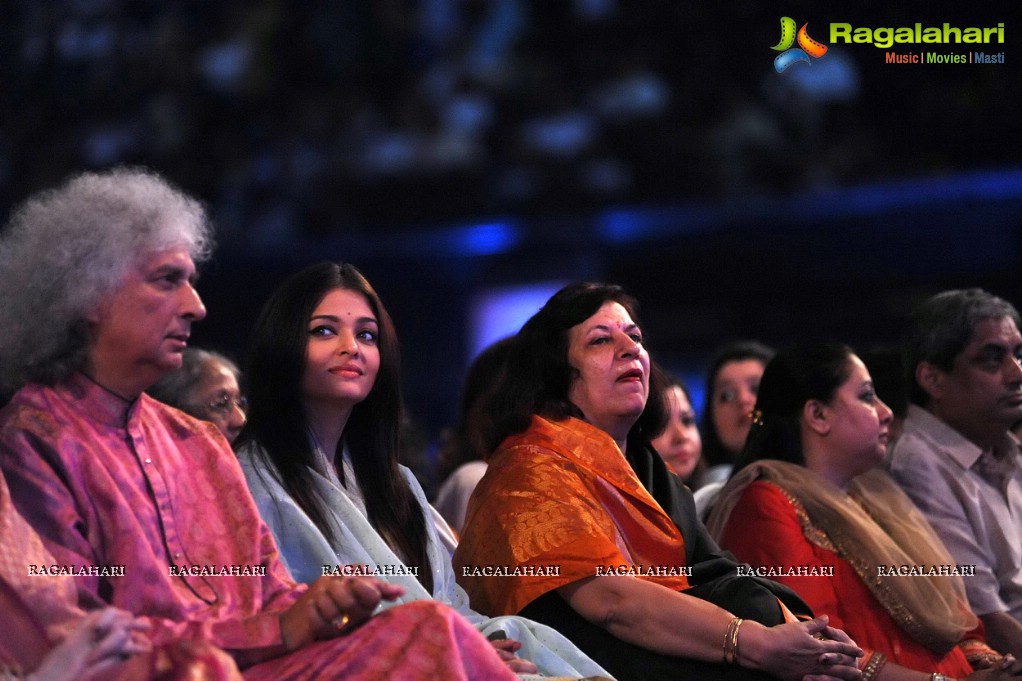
[{"x": 305, "y": 551}]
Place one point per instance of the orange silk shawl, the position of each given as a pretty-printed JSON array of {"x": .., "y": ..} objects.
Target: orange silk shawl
[{"x": 560, "y": 497}]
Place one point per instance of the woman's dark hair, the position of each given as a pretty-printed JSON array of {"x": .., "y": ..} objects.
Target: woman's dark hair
[
  {"x": 792, "y": 378},
  {"x": 671, "y": 379},
  {"x": 714, "y": 451},
  {"x": 542, "y": 376},
  {"x": 467, "y": 442},
  {"x": 667, "y": 381},
  {"x": 277, "y": 420}
]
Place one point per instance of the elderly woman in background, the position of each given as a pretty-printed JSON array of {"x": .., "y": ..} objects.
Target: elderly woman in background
[
  {"x": 807, "y": 495},
  {"x": 679, "y": 444},
  {"x": 206, "y": 387},
  {"x": 590, "y": 533},
  {"x": 96, "y": 303},
  {"x": 731, "y": 388}
]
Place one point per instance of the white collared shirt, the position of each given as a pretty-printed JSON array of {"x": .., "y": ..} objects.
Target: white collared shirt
[{"x": 973, "y": 501}]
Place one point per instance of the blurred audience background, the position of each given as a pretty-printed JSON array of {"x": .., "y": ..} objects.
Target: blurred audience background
[{"x": 313, "y": 116}]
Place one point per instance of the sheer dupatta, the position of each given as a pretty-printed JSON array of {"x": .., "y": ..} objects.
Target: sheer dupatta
[{"x": 875, "y": 525}]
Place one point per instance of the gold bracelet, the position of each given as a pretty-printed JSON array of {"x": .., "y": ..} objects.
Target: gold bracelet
[
  {"x": 727, "y": 639},
  {"x": 979, "y": 654},
  {"x": 734, "y": 646},
  {"x": 731, "y": 640},
  {"x": 873, "y": 667}
]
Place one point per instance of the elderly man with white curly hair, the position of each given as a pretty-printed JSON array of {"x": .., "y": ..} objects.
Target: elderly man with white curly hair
[{"x": 145, "y": 505}]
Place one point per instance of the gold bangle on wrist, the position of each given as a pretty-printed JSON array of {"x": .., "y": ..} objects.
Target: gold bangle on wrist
[
  {"x": 873, "y": 666},
  {"x": 731, "y": 640}
]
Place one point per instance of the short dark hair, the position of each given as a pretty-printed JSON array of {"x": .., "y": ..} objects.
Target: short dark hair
[
  {"x": 542, "y": 376},
  {"x": 942, "y": 325}
]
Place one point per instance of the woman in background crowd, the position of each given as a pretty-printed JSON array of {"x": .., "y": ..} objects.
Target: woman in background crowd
[
  {"x": 573, "y": 483},
  {"x": 320, "y": 454},
  {"x": 807, "y": 496},
  {"x": 679, "y": 444},
  {"x": 731, "y": 388},
  {"x": 462, "y": 457},
  {"x": 206, "y": 387}
]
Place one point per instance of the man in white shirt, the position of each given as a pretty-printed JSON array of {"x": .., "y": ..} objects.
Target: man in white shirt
[{"x": 957, "y": 458}]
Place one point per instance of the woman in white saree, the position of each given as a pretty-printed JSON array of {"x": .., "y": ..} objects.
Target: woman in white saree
[{"x": 320, "y": 454}]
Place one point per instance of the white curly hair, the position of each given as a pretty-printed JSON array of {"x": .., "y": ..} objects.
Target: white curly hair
[{"x": 66, "y": 249}]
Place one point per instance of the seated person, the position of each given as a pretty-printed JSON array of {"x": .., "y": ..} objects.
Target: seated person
[
  {"x": 731, "y": 387},
  {"x": 461, "y": 456},
  {"x": 321, "y": 449},
  {"x": 807, "y": 497},
  {"x": 957, "y": 459},
  {"x": 679, "y": 444},
  {"x": 96, "y": 284},
  {"x": 46, "y": 637},
  {"x": 579, "y": 524},
  {"x": 207, "y": 387}
]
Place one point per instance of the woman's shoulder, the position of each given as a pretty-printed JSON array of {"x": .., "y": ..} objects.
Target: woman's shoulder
[
  {"x": 468, "y": 473},
  {"x": 251, "y": 454},
  {"x": 546, "y": 441},
  {"x": 456, "y": 489},
  {"x": 259, "y": 472},
  {"x": 413, "y": 482},
  {"x": 766, "y": 506},
  {"x": 767, "y": 497}
]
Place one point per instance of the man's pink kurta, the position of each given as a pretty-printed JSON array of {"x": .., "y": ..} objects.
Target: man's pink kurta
[
  {"x": 139, "y": 487},
  {"x": 37, "y": 610},
  {"x": 111, "y": 484}
]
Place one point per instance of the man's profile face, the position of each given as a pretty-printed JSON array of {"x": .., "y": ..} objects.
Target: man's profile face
[
  {"x": 982, "y": 393},
  {"x": 140, "y": 330}
]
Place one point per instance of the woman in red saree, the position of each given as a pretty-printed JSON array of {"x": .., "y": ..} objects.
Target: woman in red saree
[{"x": 808, "y": 508}]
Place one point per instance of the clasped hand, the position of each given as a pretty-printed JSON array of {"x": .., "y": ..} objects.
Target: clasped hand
[
  {"x": 332, "y": 606},
  {"x": 805, "y": 651}
]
